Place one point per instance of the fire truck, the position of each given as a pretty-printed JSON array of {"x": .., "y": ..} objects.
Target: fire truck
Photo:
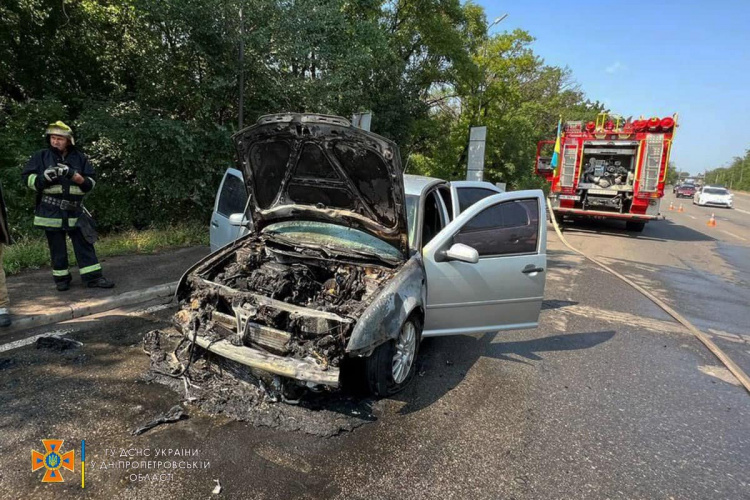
[{"x": 610, "y": 168}]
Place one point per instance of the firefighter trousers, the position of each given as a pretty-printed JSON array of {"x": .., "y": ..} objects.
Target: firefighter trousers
[{"x": 88, "y": 265}]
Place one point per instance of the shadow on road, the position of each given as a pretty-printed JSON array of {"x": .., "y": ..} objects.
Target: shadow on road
[
  {"x": 446, "y": 360},
  {"x": 661, "y": 230},
  {"x": 557, "y": 304}
]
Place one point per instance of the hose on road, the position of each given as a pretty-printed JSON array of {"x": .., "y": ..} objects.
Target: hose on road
[{"x": 726, "y": 360}]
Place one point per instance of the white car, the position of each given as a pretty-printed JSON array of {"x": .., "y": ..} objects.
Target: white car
[
  {"x": 715, "y": 196},
  {"x": 350, "y": 263}
]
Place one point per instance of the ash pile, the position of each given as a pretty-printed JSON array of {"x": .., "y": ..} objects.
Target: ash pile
[{"x": 222, "y": 387}]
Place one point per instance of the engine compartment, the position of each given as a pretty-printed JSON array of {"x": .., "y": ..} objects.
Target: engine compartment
[{"x": 284, "y": 302}]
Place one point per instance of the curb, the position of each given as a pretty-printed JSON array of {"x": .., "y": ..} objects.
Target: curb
[{"x": 95, "y": 307}]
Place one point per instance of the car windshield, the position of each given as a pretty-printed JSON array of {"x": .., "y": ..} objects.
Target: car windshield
[
  {"x": 715, "y": 191},
  {"x": 412, "y": 204},
  {"x": 332, "y": 236}
]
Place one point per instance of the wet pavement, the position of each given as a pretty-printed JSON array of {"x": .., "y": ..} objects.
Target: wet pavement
[{"x": 608, "y": 398}]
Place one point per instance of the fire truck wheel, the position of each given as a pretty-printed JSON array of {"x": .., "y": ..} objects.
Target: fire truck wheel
[{"x": 635, "y": 226}]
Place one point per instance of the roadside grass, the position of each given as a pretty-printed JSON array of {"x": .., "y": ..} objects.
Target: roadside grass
[{"x": 32, "y": 252}]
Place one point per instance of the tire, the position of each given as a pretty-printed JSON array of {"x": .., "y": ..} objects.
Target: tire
[
  {"x": 636, "y": 227},
  {"x": 385, "y": 376}
]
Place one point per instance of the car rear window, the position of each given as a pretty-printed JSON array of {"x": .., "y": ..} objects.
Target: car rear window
[{"x": 469, "y": 195}]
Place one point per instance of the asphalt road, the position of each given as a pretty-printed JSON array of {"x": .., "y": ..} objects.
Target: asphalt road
[{"x": 608, "y": 398}]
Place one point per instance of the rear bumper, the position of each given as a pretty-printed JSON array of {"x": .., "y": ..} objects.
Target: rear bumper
[
  {"x": 298, "y": 369},
  {"x": 597, "y": 214}
]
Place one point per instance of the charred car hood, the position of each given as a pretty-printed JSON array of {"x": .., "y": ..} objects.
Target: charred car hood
[{"x": 320, "y": 168}]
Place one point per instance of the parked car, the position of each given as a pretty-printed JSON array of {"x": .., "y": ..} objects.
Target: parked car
[
  {"x": 351, "y": 263},
  {"x": 685, "y": 191},
  {"x": 715, "y": 196},
  {"x": 228, "y": 221}
]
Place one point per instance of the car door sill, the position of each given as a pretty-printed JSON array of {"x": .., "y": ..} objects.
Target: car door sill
[
  {"x": 486, "y": 302},
  {"x": 472, "y": 331}
]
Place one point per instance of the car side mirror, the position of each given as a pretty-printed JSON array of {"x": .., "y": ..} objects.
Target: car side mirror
[
  {"x": 462, "y": 253},
  {"x": 238, "y": 220}
]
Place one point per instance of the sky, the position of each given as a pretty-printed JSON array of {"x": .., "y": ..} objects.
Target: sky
[{"x": 652, "y": 58}]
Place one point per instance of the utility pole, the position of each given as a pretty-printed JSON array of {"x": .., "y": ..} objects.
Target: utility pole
[
  {"x": 242, "y": 72},
  {"x": 484, "y": 69}
]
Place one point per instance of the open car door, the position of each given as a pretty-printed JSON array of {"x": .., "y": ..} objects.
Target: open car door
[
  {"x": 230, "y": 200},
  {"x": 486, "y": 269}
]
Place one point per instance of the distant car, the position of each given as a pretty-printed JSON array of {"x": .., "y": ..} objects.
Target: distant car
[
  {"x": 715, "y": 196},
  {"x": 686, "y": 191}
]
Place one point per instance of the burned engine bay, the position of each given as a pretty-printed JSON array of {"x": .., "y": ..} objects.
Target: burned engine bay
[{"x": 292, "y": 302}]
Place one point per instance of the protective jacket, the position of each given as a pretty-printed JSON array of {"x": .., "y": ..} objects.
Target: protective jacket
[{"x": 58, "y": 203}]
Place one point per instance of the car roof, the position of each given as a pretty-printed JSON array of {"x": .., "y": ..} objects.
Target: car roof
[
  {"x": 476, "y": 184},
  {"x": 416, "y": 184}
]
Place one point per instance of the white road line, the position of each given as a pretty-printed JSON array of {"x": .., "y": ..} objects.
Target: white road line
[
  {"x": 743, "y": 211},
  {"x": 694, "y": 218},
  {"x": 732, "y": 234},
  {"x": 30, "y": 340}
]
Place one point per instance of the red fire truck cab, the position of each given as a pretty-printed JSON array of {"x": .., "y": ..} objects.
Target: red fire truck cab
[{"x": 609, "y": 169}]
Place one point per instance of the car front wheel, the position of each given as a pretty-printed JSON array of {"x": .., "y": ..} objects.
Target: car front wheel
[{"x": 391, "y": 366}]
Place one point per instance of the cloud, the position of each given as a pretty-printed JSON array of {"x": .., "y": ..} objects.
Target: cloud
[{"x": 615, "y": 67}]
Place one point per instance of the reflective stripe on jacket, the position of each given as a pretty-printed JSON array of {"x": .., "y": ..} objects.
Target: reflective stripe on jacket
[{"x": 54, "y": 217}]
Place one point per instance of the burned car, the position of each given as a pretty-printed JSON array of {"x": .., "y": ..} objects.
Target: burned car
[{"x": 346, "y": 261}]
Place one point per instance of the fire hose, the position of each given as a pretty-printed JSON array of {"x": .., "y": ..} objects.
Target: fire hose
[{"x": 726, "y": 360}]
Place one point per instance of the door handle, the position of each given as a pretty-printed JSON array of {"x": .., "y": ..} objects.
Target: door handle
[
  {"x": 214, "y": 223},
  {"x": 532, "y": 269}
]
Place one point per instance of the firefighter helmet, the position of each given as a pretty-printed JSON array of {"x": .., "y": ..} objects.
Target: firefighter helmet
[{"x": 60, "y": 128}]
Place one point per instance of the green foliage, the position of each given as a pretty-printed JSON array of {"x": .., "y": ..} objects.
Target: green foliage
[
  {"x": 736, "y": 176},
  {"x": 33, "y": 253},
  {"x": 672, "y": 174},
  {"x": 151, "y": 88}
]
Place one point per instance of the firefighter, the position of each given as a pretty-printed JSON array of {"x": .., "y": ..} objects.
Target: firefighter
[
  {"x": 61, "y": 175},
  {"x": 4, "y": 240}
]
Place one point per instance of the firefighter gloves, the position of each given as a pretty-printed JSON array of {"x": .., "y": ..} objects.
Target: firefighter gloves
[
  {"x": 64, "y": 171},
  {"x": 50, "y": 174}
]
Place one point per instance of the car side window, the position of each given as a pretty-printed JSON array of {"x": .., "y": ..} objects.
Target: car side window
[
  {"x": 433, "y": 220},
  {"x": 467, "y": 196},
  {"x": 510, "y": 227},
  {"x": 233, "y": 196}
]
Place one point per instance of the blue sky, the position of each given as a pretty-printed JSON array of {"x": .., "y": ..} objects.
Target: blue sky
[{"x": 653, "y": 58}]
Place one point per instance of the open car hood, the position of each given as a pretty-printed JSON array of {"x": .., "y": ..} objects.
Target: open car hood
[{"x": 321, "y": 168}]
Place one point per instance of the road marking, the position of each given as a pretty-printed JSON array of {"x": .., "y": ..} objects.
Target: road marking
[
  {"x": 609, "y": 316},
  {"x": 694, "y": 218},
  {"x": 732, "y": 234},
  {"x": 721, "y": 373},
  {"x": 30, "y": 340},
  {"x": 153, "y": 309},
  {"x": 743, "y": 211}
]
